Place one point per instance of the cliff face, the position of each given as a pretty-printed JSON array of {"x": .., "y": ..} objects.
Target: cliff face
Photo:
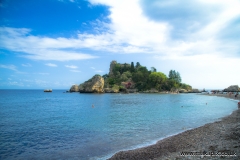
[
  {"x": 74, "y": 88},
  {"x": 93, "y": 85}
]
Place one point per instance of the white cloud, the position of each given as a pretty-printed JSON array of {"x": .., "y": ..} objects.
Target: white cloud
[
  {"x": 141, "y": 34},
  {"x": 51, "y": 65},
  {"x": 99, "y": 71},
  {"x": 131, "y": 30},
  {"x": 40, "y": 82},
  {"x": 42, "y": 48},
  {"x": 27, "y": 65},
  {"x": 15, "y": 83},
  {"x": 11, "y": 67},
  {"x": 203, "y": 71},
  {"x": 12, "y": 82},
  {"x": 186, "y": 37},
  {"x": 71, "y": 66},
  {"x": 42, "y": 73},
  {"x": 57, "y": 83},
  {"x": 75, "y": 70}
]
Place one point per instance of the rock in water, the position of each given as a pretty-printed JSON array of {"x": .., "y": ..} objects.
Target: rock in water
[
  {"x": 93, "y": 85},
  {"x": 74, "y": 88}
]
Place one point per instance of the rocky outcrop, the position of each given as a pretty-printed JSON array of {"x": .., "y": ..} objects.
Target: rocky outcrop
[
  {"x": 153, "y": 90},
  {"x": 189, "y": 91},
  {"x": 132, "y": 90},
  {"x": 74, "y": 88},
  {"x": 115, "y": 89},
  {"x": 194, "y": 91},
  {"x": 93, "y": 85},
  {"x": 183, "y": 91},
  {"x": 111, "y": 90},
  {"x": 232, "y": 88}
]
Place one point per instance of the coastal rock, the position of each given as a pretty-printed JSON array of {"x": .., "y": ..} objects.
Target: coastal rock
[
  {"x": 111, "y": 90},
  {"x": 152, "y": 90},
  {"x": 74, "y": 88},
  {"x": 232, "y": 88},
  {"x": 93, "y": 85},
  {"x": 183, "y": 91},
  {"x": 114, "y": 89},
  {"x": 194, "y": 91},
  {"x": 132, "y": 90}
]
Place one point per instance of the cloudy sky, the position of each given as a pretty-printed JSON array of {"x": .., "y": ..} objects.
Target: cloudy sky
[{"x": 57, "y": 43}]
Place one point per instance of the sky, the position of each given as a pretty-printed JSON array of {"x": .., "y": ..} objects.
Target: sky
[{"x": 57, "y": 43}]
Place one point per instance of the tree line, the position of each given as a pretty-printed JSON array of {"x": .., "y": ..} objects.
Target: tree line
[{"x": 139, "y": 77}]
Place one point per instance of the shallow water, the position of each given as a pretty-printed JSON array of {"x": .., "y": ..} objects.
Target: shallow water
[{"x": 57, "y": 125}]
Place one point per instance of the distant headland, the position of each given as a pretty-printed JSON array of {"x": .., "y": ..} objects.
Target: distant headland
[{"x": 130, "y": 78}]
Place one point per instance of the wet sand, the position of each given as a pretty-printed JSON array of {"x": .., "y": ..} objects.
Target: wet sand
[{"x": 218, "y": 140}]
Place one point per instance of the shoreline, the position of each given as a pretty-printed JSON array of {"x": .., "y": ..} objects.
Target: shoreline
[
  {"x": 232, "y": 96},
  {"x": 220, "y": 137}
]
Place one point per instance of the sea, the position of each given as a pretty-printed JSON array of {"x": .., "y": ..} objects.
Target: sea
[{"x": 59, "y": 125}]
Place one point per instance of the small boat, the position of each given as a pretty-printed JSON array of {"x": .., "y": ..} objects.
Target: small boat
[{"x": 48, "y": 90}]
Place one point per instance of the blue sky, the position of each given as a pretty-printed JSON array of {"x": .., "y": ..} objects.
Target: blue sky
[{"x": 57, "y": 43}]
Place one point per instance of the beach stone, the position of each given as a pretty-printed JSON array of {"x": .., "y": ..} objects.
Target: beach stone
[
  {"x": 93, "y": 85},
  {"x": 220, "y": 136}
]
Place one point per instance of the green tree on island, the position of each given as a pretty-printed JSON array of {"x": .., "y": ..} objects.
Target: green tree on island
[
  {"x": 173, "y": 75},
  {"x": 157, "y": 80},
  {"x": 138, "y": 65},
  {"x": 132, "y": 67},
  {"x": 153, "y": 69},
  {"x": 127, "y": 76}
]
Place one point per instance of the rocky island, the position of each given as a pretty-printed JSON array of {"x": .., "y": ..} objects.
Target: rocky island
[{"x": 130, "y": 78}]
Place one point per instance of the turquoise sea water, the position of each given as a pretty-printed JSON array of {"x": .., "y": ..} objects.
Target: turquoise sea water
[{"x": 57, "y": 125}]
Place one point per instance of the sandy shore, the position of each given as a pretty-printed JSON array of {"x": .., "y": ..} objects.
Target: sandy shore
[{"x": 220, "y": 139}]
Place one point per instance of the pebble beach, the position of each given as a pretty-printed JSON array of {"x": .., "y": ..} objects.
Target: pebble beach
[{"x": 218, "y": 140}]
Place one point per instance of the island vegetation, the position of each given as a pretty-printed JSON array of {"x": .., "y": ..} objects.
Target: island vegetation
[
  {"x": 126, "y": 76},
  {"x": 130, "y": 76},
  {"x": 133, "y": 78}
]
